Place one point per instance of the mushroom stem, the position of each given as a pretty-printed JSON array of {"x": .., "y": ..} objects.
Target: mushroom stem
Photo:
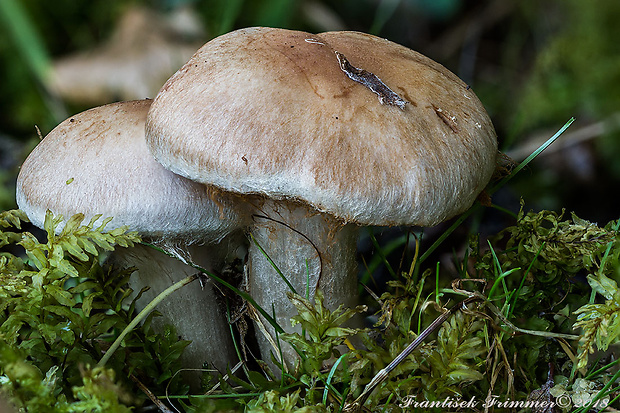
[
  {"x": 311, "y": 250},
  {"x": 193, "y": 310}
]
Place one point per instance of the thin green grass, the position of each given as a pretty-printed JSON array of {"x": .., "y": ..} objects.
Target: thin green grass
[
  {"x": 500, "y": 275},
  {"x": 381, "y": 257},
  {"x": 28, "y": 42},
  {"x": 30, "y": 47},
  {"x": 273, "y": 264}
]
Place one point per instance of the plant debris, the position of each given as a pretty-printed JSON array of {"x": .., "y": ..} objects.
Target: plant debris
[{"x": 386, "y": 95}]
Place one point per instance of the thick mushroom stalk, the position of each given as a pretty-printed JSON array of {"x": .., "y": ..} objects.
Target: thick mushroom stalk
[
  {"x": 97, "y": 162},
  {"x": 311, "y": 250}
]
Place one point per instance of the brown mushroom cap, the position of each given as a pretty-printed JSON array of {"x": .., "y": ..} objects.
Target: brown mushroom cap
[
  {"x": 97, "y": 162},
  {"x": 276, "y": 112}
]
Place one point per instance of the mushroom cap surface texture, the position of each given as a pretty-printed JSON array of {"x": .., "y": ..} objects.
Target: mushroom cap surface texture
[
  {"x": 351, "y": 124},
  {"x": 97, "y": 162}
]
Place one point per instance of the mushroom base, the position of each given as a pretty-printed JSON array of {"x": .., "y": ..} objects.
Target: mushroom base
[{"x": 312, "y": 250}]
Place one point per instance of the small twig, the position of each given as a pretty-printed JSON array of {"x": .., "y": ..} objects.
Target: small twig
[
  {"x": 547, "y": 334},
  {"x": 356, "y": 406},
  {"x": 261, "y": 326},
  {"x": 160, "y": 405}
]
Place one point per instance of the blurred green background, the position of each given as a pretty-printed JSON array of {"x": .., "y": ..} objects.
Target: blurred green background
[{"x": 533, "y": 63}]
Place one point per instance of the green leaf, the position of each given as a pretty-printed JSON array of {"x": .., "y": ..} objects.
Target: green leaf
[
  {"x": 13, "y": 218},
  {"x": 603, "y": 285},
  {"x": 87, "y": 302},
  {"x": 87, "y": 245},
  {"x": 71, "y": 225},
  {"x": 62, "y": 296},
  {"x": 463, "y": 375},
  {"x": 84, "y": 286},
  {"x": 71, "y": 247},
  {"x": 64, "y": 312}
]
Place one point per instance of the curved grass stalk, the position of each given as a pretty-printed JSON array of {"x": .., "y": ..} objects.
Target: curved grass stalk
[{"x": 143, "y": 314}]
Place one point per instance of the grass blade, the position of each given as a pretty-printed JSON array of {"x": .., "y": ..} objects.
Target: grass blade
[
  {"x": 29, "y": 45},
  {"x": 328, "y": 382},
  {"x": 273, "y": 264},
  {"x": 532, "y": 156},
  {"x": 26, "y": 38}
]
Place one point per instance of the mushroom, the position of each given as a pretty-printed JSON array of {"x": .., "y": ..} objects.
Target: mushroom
[
  {"x": 145, "y": 48},
  {"x": 324, "y": 133},
  {"x": 97, "y": 162}
]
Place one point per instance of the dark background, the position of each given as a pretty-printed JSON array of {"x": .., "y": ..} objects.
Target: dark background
[{"x": 534, "y": 64}]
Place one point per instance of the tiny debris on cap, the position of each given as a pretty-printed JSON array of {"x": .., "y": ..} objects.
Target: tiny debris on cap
[
  {"x": 313, "y": 41},
  {"x": 386, "y": 95}
]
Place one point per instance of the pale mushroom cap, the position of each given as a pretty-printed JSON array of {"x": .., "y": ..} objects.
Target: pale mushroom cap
[
  {"x": 97, "y": 162},
  {"x": 270, "y": 111}
]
